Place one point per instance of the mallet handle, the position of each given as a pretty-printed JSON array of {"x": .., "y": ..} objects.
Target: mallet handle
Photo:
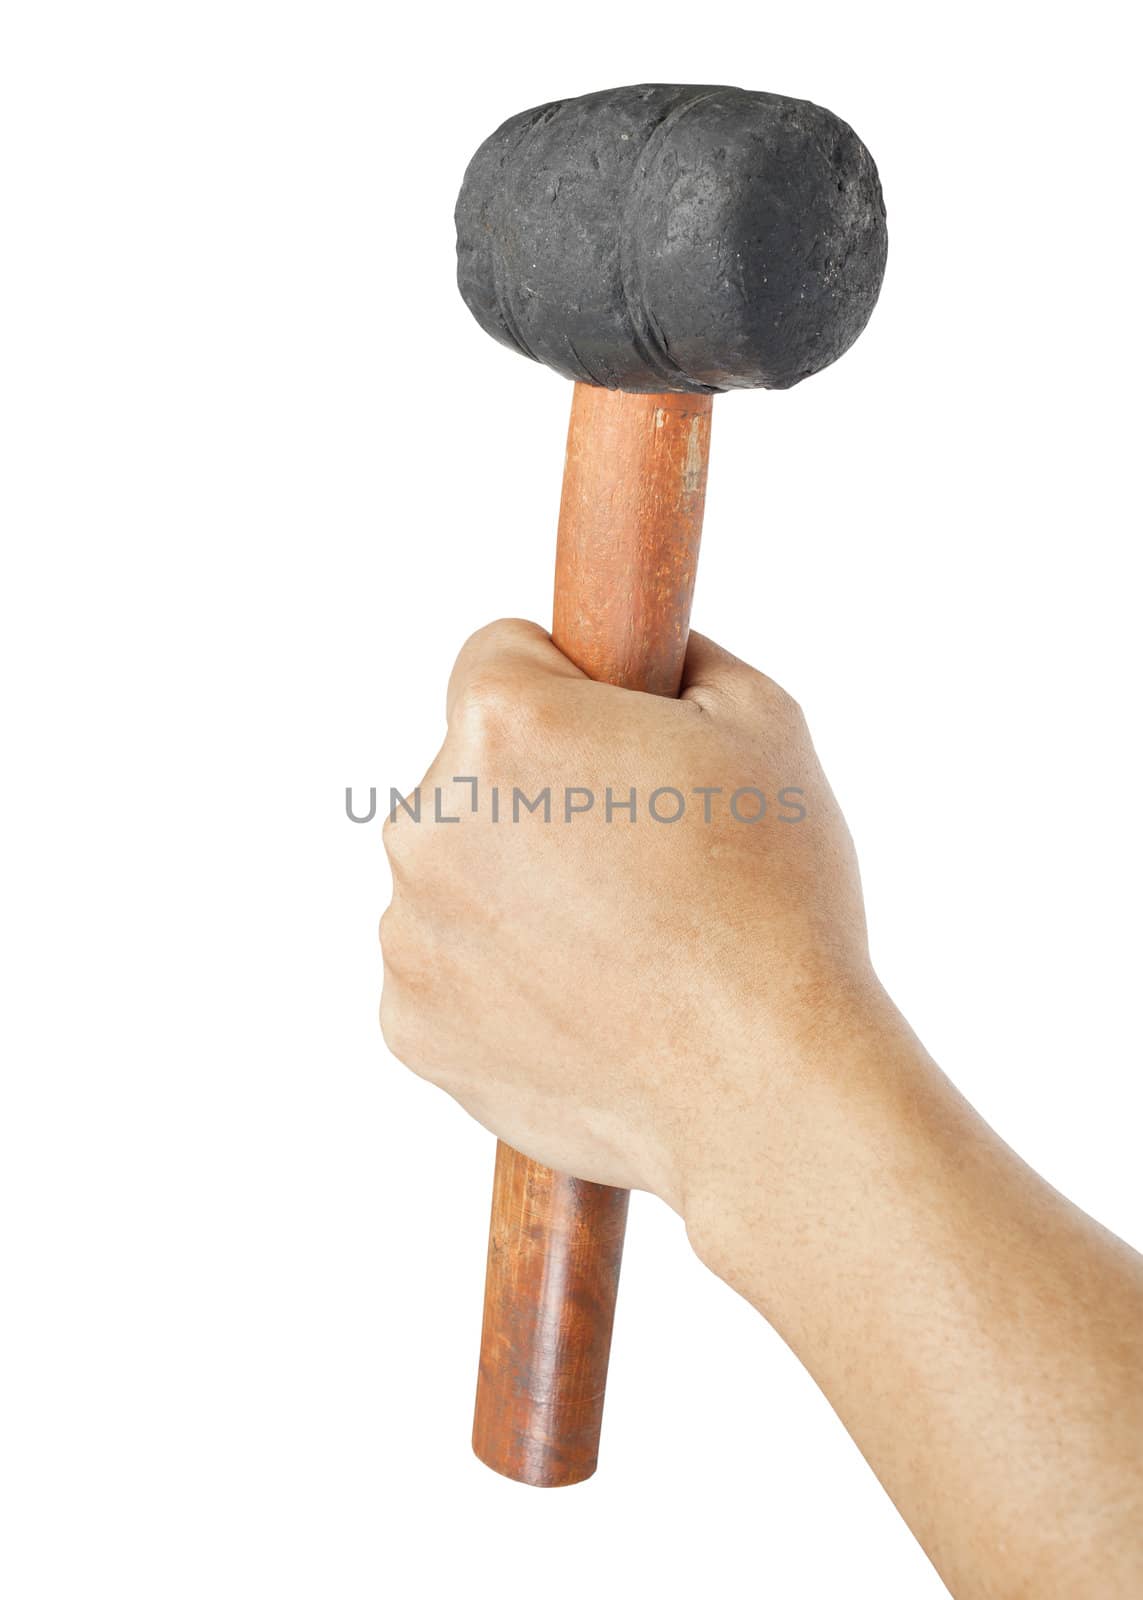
[{"x": 630, "y": 522}]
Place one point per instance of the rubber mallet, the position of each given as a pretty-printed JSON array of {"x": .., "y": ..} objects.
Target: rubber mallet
[{"x": 657, "y": 244}]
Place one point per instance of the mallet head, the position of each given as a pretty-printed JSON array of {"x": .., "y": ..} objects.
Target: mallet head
[{"x": 673, "y": 237}]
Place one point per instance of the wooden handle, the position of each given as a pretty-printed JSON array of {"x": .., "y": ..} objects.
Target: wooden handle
[{"x": 630, "y": 522}]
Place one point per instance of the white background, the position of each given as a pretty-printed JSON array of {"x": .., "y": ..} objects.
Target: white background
[{"x": 262, "y": 474}]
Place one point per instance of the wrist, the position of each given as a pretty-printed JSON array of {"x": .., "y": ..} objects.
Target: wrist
[{"x": 800, "y": 1140}]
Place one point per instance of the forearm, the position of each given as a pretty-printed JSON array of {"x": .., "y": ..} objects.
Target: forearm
[{"x": 981, "y": 1338}]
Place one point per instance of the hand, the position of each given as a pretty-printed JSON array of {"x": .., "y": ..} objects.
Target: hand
[
  {"x": 689, "y": 1007},
  {"x": 608, "y": 995}
]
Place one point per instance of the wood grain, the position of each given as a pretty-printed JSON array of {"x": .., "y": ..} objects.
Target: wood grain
[{"x": 630, "y": 522}]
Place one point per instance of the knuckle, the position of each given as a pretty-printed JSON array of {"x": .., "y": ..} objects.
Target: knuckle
[
  {"x": 398, "y": 1028},
  {"x": 785, "y": 706},
  {"x": 502, "y": 632},
  {"x": 402, "y": 946},
  {"x": 488, "y": 706},
  {"x": 794, "y": 711},
  {"x": 393, "y": 836},
  {"x": 410, "y": 955},
  {"x": 408, "y": 1035},
  {"x": 399, "y": 836},
  {"x": 490, "y": 675}
]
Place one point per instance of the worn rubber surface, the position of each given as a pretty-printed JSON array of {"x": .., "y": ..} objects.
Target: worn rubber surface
[{"x": 673, "y": 237}]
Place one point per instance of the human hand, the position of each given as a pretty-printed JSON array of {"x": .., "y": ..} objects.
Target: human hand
[
  {"x": 689, "y": 1008},
  {"x": 605, "y": 995}
]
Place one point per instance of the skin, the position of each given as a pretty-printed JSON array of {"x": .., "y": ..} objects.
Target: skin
[{"x": 691, "y": 1010}]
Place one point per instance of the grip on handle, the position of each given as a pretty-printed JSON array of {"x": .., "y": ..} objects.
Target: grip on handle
[{"x": 630, "y": 523}]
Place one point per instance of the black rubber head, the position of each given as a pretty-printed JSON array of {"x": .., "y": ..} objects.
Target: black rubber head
[{"x": 673, "y": 236}]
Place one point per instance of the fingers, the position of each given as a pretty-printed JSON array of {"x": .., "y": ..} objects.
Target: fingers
[
  {"x": 504, "y": 659},
  {"x": 712, "y": 676},
  {"x": 708, "y": 666},
  {"x": 500, "y": 663}
]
